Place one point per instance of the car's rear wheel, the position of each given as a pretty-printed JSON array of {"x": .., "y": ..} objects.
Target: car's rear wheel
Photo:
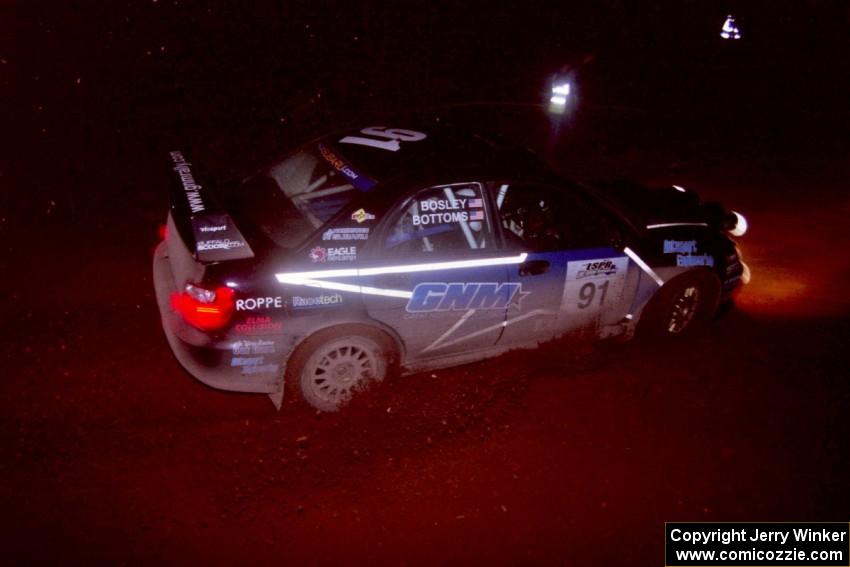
[
  {"x": 682, "y": 307},
  {"x": 329, "y": 368}
]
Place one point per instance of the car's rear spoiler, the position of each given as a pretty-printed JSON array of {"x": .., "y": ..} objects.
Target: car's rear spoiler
[{"x": 214, "y": 235}]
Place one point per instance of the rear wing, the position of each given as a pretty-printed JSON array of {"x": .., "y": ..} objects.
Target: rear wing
[{"x": 196, "y": 212}]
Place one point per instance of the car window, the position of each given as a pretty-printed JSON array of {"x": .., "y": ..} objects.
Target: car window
[
  {"x": 446, "y": 219},
  {"x": 298, "y": 194},
  {"x": 547, "y": 218}
]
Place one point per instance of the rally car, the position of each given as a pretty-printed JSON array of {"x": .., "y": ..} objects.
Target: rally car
[{"x": 420, "y": 246}]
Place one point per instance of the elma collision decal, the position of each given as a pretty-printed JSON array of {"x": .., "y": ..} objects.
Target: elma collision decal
[{"x": 458, "y": 296}]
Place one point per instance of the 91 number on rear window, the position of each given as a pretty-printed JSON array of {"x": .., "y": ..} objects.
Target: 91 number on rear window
[{"x": 388, "y": 138}]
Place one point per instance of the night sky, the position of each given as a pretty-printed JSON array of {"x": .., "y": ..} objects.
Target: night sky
[{"x": 257, "y": 77}]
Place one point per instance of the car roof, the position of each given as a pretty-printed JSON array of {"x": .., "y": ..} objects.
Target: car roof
[{"x": 447, "y": 150}]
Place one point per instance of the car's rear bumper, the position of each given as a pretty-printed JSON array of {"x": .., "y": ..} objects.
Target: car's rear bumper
[{"x": 208, "y": 360}]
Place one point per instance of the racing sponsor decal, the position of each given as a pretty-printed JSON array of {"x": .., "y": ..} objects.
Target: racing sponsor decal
[
  {"x": 299, "y": 302},
  {"x": 459, "y": 296},
  {"x": 354, "y": 233},
  {"x": 592, "y": 285},
  {"x": 686, "y": 253},
  {"x": 253, "y": 365},
  {"x": 246, "y": 361},
  {"x": 192, "y": 189},
  {"x": 387, "y": 138},
  {"x": 357, "y": 179},
  {"x": 260, "y": 369},
  {"x": 217, "y": 238},
  {"x": 247, "y": 347},
  {"x": 219, "y": 244},
  {"x": 331, "y": 254},
  {"x": 680, "y": 246},
  {"x": 687, "y": 260},
  {"x": 255, "y": 303},
  {"x": 218, "y": 228},
  {"x": 596, "y": 268},
  {"x": 361, "y": 216},
  {"x": 258, "y": 326}
]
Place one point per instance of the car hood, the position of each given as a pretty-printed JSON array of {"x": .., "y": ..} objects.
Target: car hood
[{"x": 647, "y": 207}]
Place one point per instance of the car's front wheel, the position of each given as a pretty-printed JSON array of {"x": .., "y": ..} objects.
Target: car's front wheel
[
  {"x": 683, "y": 306},
  {"x": 329, "y": 368}
]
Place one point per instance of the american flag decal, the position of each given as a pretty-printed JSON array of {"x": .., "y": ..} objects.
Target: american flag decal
[
  {"x": 476, "y": 203},
  {"x": 476, "y": 215}
]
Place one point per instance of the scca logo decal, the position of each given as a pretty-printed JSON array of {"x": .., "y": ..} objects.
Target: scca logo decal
[{"x": 463, "y": 296}]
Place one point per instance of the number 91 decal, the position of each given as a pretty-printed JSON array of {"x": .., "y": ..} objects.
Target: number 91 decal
[
  {"x": 384, "y": 138},
  {"x": 592, "y": 284},
  {"x": 587, "y": 293}
]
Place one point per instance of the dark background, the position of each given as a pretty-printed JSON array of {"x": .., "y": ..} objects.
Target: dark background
[{"x": 577, "y": 453}]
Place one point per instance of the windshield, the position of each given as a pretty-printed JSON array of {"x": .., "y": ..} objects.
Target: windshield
[{"x": 298, "y": 194}]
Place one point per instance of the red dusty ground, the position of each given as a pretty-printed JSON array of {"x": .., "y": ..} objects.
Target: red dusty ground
[{"x": 573, "y": 454}]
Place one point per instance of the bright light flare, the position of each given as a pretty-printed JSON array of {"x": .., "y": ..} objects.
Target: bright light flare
[
  {"x": 560, "y": 93},
  {"x": 741, "y": 225},
  {"x": 563, "y": 89},
  {"x": 747, "y": 275},
  {"x": 730, "y": 29}
]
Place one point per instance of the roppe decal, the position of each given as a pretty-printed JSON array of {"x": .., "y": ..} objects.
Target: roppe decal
[{"x": 255, "y": 303}]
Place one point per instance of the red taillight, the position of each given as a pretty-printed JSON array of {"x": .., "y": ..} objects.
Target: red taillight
[
  {"x": 205, "y": 309},
  {"x": 163, "y": 232}
]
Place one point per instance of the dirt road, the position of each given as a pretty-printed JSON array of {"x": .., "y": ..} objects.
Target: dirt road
[{"x": 571, "y": 454}]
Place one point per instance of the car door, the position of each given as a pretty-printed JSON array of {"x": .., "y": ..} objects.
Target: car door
[
  {"x": 439, "y": 279},
  {"x": 572, "y": 279}
]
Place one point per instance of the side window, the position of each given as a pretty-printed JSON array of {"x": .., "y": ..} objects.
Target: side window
[
  {"x": 546, "y": 218},
  {"x": 443, "y": 220}
]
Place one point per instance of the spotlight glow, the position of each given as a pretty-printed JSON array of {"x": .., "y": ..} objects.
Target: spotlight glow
[{"x": 741, "y": 226}]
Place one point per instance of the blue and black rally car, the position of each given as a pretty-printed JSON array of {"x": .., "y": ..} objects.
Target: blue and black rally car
[{"x": 404, "y": 249}]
